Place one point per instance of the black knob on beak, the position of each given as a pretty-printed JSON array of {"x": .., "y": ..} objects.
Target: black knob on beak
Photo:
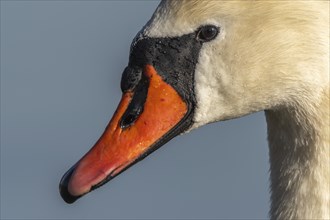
[{"x": 130, "y": 78}]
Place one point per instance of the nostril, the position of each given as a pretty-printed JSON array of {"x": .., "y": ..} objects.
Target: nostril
[
  {"x": 130, "y": 78},
  {"x": 135, "y": 108},
  {"x": 129, "y": 119}
]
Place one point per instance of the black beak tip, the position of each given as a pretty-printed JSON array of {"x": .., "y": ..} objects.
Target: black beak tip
[{"x": 63, "y": 187}]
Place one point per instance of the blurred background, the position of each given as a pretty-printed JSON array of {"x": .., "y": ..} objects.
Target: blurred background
[{"x": 61, "y": 64}]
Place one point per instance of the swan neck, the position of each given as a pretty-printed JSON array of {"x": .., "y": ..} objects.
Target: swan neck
[{"x": 299, "y": 162}]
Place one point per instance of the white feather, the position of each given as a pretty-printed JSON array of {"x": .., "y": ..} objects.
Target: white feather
[{"x": 272, "y": 56}]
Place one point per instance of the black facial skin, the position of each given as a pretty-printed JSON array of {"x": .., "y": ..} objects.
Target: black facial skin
[
  {"x": 175, "y": 61},
  {"x": 130, "y": 78}
]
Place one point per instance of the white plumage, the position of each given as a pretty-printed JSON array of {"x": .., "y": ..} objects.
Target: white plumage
[{"x": 272, "y": 56}]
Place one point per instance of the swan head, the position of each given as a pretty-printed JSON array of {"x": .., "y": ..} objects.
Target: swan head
[
  {"x": 198, "y": 62},
  {"x": 267, "y": 54}
]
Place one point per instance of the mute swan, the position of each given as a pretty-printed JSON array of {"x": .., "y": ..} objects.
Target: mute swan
[{"x": 197, "y": 62}]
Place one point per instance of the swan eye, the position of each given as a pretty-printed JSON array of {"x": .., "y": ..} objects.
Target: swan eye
[{"x": 207, "y": 33}]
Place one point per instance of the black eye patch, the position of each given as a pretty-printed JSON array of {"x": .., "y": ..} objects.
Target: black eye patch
[{"x": 130, "y": 78}]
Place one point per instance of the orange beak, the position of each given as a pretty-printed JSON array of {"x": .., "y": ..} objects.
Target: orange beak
[{"x": 121, "y": 146}]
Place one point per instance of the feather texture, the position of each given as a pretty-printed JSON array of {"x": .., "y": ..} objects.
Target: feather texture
[{"x": 272, "y": 56}]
